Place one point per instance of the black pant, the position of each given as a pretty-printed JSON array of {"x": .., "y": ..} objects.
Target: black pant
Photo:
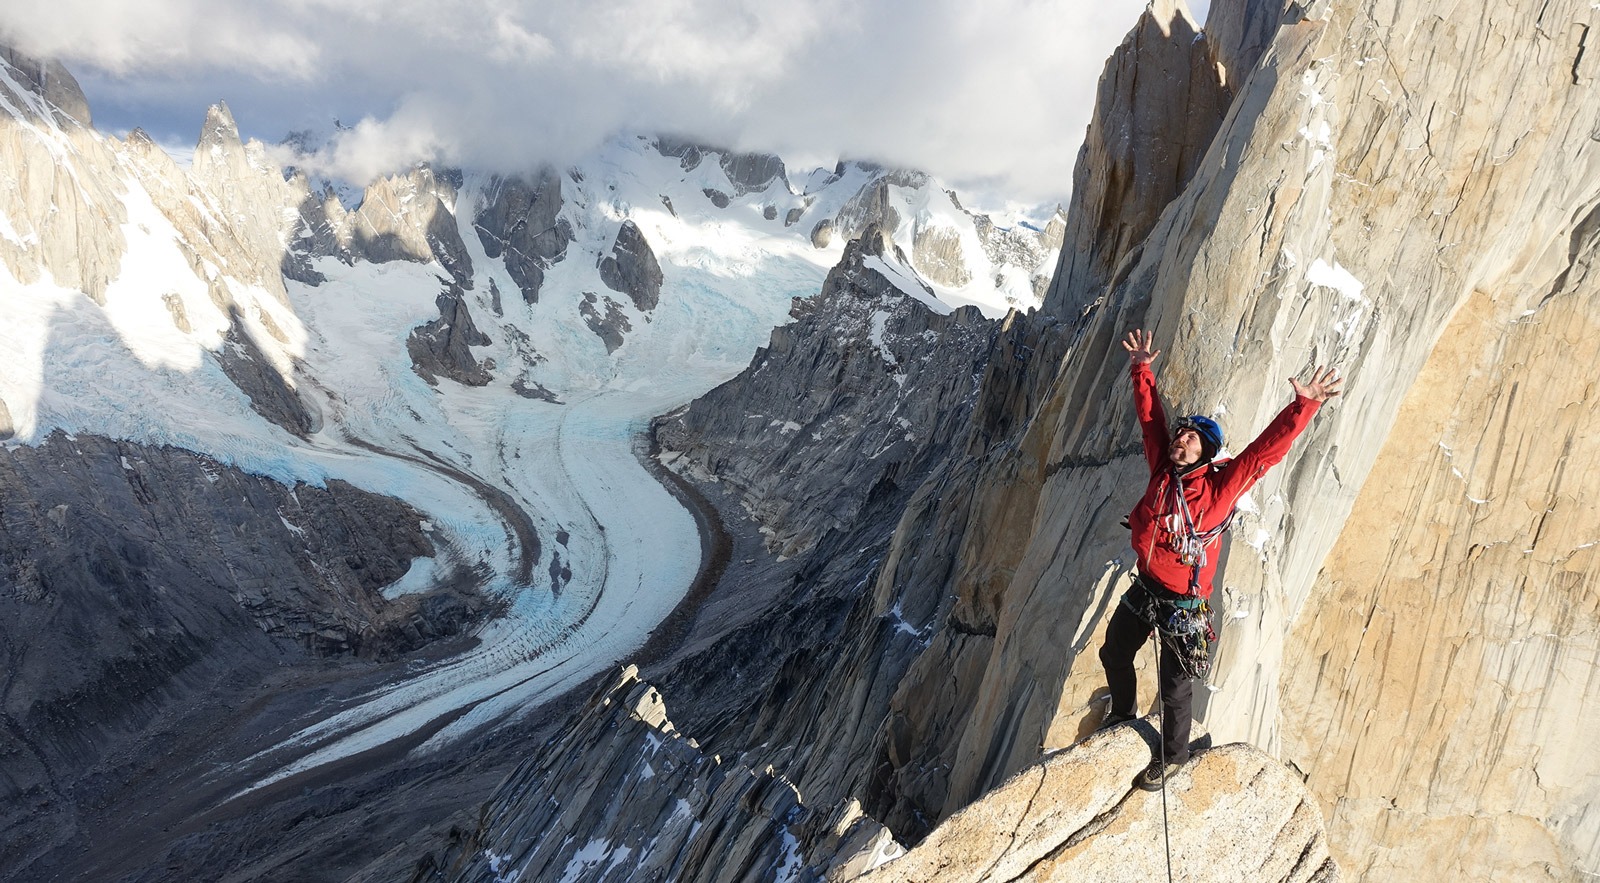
[{"x": 1125, "y": 634}]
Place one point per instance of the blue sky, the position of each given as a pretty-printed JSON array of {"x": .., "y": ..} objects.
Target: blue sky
[{"x": 992, "y": 97}]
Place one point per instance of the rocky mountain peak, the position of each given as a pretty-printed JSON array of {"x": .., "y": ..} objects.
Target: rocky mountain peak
[
  {"x": 219, "y": 129},
  {"x": 1159, "y": 105}
]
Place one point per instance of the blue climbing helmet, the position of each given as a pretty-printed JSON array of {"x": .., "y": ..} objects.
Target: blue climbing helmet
[{"x": 1208, "y": 430}]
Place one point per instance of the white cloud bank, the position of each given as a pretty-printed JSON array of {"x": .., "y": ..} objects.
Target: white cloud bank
[{"x": 993, "y": 95}]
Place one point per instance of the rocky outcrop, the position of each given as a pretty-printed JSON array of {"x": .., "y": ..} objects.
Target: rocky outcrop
[
  {"x": 751, "y": 172},
  {"x": 871, "y": 206},
  {"x": 520, "y": 222},
  {"x": 1021, "y": 246},
  {"x": 632, "y": 269},
  {"x": 409, "y": 218},
  {"x": 405, "y": 217},
  {"x": 1232, "y": 815},
  {"x": 936, "y": 253},
  {"x": 688, "y": 153},
  {"x": 746, "y": 172},
  {"x": 612, "y": 326},
  {"x": 620, "y": 793},
  {"x": 237, "y": 179},
  {"x": 443, "y": 347},
  {"x": 822, "y": 233},
  {"x": 316, "y": 234}
]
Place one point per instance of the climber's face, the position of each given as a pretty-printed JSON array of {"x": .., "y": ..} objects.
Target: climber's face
[{"x": 1185, "y": 449}]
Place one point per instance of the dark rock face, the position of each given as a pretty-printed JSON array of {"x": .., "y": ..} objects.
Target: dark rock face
[
  {"x": 632, "y": 269},
  {"x": 867, "y": 387},
  {"x": 611, "y": 325},
  {"x": 270, "y": 394},
  {"x": 136, "y": 582},
  {"x": 316, "y": 235},
  {"x": 119, "y": 523},
  {"x": 835, "y": 446},
  {"x": 442, "y": 347},
  {"x": 520, "y": 221},
  {"x": 688, "y": 153},
  {"x": 444, "y": 239},
  {"x": 534, "y": 390},
  {"x": 717, "y": 197},
  {"x": 751, "y": 172},
  {"x": 747, "y": 172}
]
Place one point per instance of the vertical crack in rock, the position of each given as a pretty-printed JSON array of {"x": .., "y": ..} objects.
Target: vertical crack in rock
[
  {"x": 1577, "y": 60},
  {"x": 1001, "y": 853}
]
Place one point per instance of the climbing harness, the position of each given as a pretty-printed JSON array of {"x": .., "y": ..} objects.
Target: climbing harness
[{"x": 1182, "y": 622}]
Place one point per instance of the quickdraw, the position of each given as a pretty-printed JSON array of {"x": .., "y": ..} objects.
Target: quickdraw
[{"x": 1191, "y": 544}]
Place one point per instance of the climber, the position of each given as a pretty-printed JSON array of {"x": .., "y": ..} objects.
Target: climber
[{"x": 1177, "y": 527}]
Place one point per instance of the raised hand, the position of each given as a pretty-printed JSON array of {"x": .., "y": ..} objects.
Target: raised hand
[
  {"x": 1137, "y": 343},
  {"x": 1324, "y": 385}
]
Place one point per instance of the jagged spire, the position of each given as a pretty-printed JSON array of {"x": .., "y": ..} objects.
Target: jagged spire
[{"x": 219, "y": 128}]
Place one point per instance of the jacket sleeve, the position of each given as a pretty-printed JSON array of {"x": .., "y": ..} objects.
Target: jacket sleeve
[
  {"x": 1268, "y": 450},
  {"x": 1152, "y": 417}
]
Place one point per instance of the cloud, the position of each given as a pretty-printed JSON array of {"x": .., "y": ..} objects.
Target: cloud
[{"x": 995, "y": 95}]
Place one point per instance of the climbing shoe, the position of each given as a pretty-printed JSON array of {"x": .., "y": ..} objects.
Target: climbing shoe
[
  {"x": 1114, "y": 718},
  {"x": 1153, "y": 776}
]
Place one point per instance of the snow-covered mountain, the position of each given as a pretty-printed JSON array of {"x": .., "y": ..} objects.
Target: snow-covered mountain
[
  {"x": 417, "y": 418},
  {"x": 312, "y": 508}
]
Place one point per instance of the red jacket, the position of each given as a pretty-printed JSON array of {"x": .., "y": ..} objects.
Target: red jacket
[{"x": 1210, "y": 491}]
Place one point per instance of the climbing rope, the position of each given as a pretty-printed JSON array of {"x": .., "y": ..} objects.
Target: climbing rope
[{"x": 1161, "y": 740}]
